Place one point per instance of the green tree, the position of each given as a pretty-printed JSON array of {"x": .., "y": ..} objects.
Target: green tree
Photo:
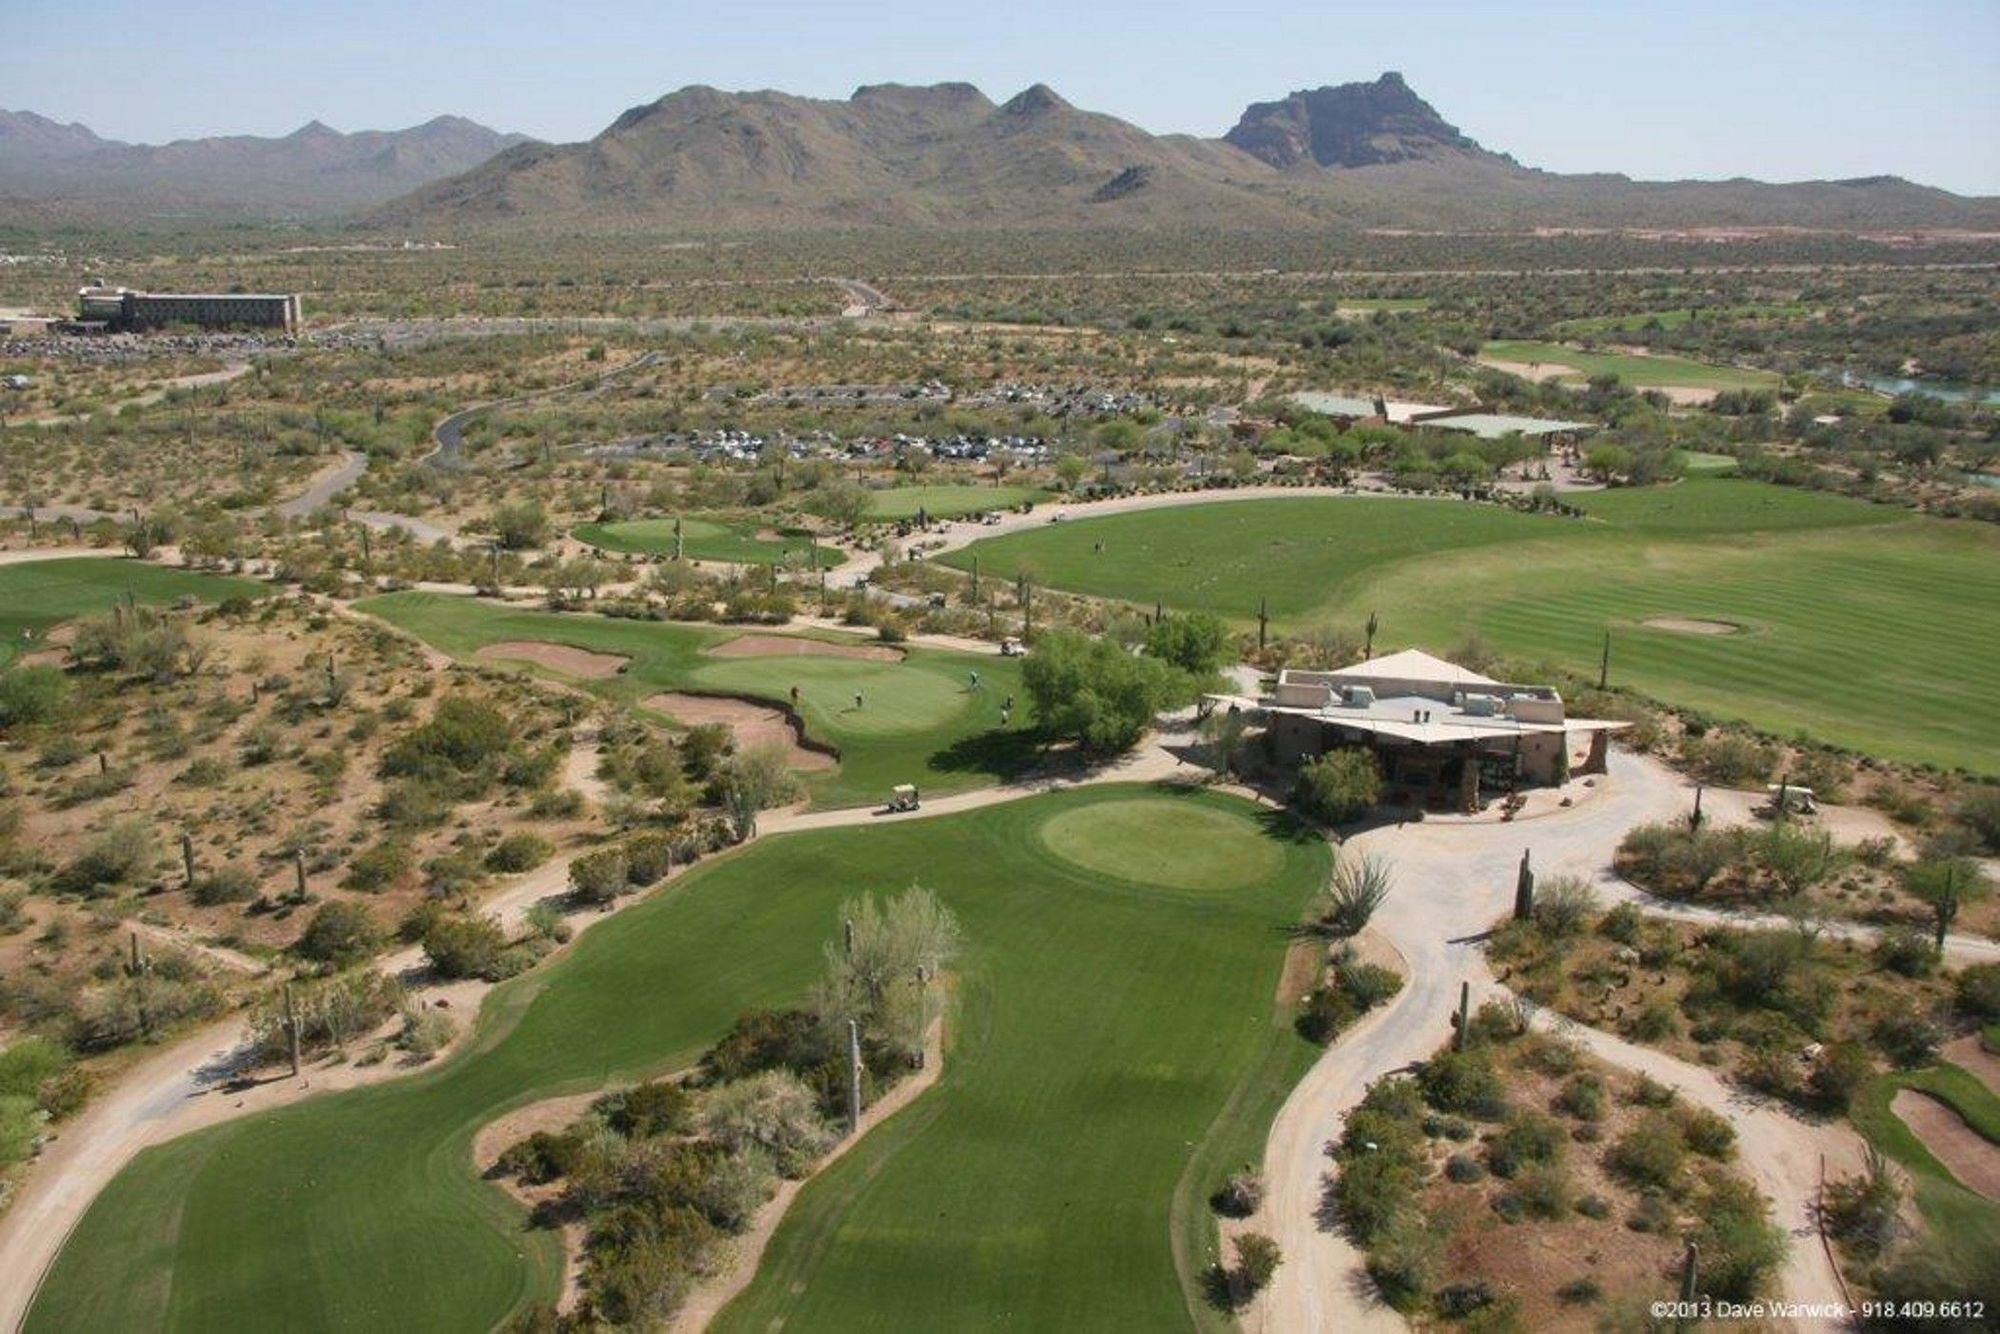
[
  {"x": 1339, "y": 786},
  {"x": 1197, "y": 643},
  {"x": 755, "y": 780},
  {"x": 521, "y": 524},
  {"x": 1094, "y": 693}
]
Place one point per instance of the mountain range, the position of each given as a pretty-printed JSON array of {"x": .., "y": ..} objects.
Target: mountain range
[
  {"x": 312, "y": 171},
  {"x": 944, "y": 155}
]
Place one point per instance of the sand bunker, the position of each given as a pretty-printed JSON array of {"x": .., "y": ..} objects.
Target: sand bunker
[
  {"x": 1964, "y": 1151},
  {"x": 1682, "y": 625},
  {"x": 789, "y": 646},
  {"x": 753, "y": 724},
  {"x": 1536, "y": 371},
  {"x": 561, "y": 657}
]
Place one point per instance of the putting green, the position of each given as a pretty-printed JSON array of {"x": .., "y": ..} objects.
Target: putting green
[
  {"x": 896, "y": 699},
  {"x": 1152, "y": 841}
]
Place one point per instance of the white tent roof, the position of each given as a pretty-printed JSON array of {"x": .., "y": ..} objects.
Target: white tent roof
[{"x": 1413, "y": 664}]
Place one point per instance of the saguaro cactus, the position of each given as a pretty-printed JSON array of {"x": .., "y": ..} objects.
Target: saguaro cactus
[
  {"x": 1464, "y": 1016},
  {"x": 1524, "y": 890},
  {"x": 853, "y": 1077}
]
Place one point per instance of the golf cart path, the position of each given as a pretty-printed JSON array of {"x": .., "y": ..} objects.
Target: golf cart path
[{"x": 1450, "y": 882}]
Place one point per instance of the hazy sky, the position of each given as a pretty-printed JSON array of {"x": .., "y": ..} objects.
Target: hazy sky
[{"x": 1779, "y": 89}]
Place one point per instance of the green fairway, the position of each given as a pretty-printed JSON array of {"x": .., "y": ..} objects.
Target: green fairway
[
  {"x": 1299, "y": 554},
  {"x": 709, "y": 539},
  {"x": 1862, "y": 625},
  {"x": 918, "y": 722},
  {"x": 1103, "y": 1036},
  {"x": 1666, "y": 372},
  {"x": 1675, "y": 318},
  {"x": 945, "y": 501},
  {"x": 39, "y": 595}
]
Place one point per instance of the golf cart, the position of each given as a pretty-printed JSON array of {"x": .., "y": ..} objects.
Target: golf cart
[
  {"x": 1787, "y": 799},
  {"x": 1011, "y": 647},
  {"x": 903, "y": 797}
]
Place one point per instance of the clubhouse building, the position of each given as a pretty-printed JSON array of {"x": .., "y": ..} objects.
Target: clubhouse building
[{"x": 1442, "y": 734}]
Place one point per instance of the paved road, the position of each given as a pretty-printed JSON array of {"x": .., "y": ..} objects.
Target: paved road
[{"x": 327, "y": 483}]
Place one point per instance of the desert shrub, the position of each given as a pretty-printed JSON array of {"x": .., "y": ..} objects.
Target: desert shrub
[
  {"x": 332, "y": 1011},
  {"x": 1654, "y": 1021},
  {"x": 1740, "y": 1245},
  {"x": 643, "y": 1279},
  {"x": 461, "y": 750},
  {"x": 1861, "y": 1210},
  {"x": 542, "y": 1157},
  {"x": 546, "y": 920},
  {"x": 378, "y": 866},
  {"x": 1979, "y": 812},
  {"x": 225, "y": 884},
  {"x": 762, "y": 1040},
  {"x": 1339, "y": 786},
  {"x": 33, "y": 695},
  {"x": 600, "y": 877},
  {"x": 1649, "y": 1154},
  {"x": 1838, "y": 1074},
  {"x": 1367, "y": 984},
  {"x": 1528, "y": 1137},
  {"x": 1796, "y": 856},
  {"x": 1564, "y": 905},
  {"x": 1731, "y": 760},
  {"x": 1708, "y": 1133},
  {"x": 775, "y": 1112},
  {"x": 340, "y": 934},
  {"x": 1544, "y": 1190},
  {"x": 426, "y": 1032},
  {"x": 118, "y": 855},
  {"x": 518, "y": 852},
  {"x": 1583, "y": 1098},
  {"x": 648, "y": 857},
  {"x": 734, "y": 1187},
  {"x": 451, "y": 874},
  {"x": 1464, "y": 1169},
  {"x": 1594, "y": 1205},
  {"x": 1622, "y": 924},
  {"x": 462, "y": 946},
  {"x": 1406, "y": 1259},
  {"x": 1907, "y": 1038},
  {"x": 1465, "y": 1082},
  {"x": 657, "y": 1107},
  {"x": 1906, "y": 950},
  {"x": 1581, "y": 1291},
  {"x": 1976, "y": 991}
]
